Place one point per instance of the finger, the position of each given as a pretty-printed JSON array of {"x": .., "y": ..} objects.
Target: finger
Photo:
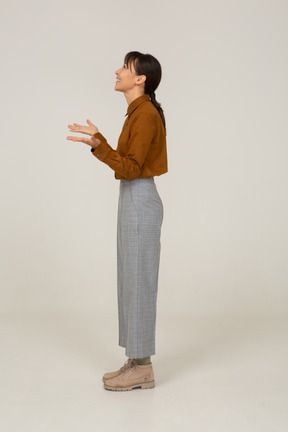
[{"x": 73, "y": 138}]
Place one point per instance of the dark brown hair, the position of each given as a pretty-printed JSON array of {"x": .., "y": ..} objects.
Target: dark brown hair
[{"x": 146, "y": 64}]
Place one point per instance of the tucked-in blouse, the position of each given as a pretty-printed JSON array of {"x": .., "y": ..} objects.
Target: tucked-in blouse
[{"x": 141, "y": 150}]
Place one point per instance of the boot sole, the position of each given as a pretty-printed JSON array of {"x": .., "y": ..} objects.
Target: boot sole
[{"x": 145, "y": 385}]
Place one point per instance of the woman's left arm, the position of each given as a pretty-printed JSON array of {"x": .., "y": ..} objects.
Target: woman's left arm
[{"x": 141, "y": 135}]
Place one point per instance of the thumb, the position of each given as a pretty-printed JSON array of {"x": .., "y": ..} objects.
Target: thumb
[{"x": 89, "y": 122}]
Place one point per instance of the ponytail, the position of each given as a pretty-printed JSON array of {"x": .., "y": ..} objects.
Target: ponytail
[{"x": 159, "y": 108}]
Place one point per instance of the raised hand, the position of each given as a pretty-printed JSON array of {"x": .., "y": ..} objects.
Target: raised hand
[{"x": 88, "y": 130}]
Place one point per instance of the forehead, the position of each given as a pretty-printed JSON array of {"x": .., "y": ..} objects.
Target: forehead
[{"x": 131, "y": 65}]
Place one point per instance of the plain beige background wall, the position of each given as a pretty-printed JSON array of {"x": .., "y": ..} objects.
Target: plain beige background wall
[{"x": 224, "y": 94}]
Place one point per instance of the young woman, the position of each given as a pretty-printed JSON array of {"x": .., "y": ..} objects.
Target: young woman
[{"x": 141, "y": 154}]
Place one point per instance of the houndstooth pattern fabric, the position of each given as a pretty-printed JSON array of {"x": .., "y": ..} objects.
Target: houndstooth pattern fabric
[{"x": 140, "y": 216}]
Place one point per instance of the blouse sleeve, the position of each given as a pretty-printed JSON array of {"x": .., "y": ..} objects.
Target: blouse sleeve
[{"x": 142, "y": 131}]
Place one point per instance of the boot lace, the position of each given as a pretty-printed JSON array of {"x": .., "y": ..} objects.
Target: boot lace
[{"x": 129, "y": 363}]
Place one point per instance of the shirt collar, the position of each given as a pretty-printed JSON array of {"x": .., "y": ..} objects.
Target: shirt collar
[{"x": 136, "y": 102}]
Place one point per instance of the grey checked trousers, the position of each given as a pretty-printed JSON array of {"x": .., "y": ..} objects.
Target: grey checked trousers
[{"x": 140, "y": 217}]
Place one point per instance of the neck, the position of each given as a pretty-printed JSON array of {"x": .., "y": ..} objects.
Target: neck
[{"x": 133, "y": 94}]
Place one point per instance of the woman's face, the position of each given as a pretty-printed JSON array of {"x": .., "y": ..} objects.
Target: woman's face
[{"x": 125, "y": 78}]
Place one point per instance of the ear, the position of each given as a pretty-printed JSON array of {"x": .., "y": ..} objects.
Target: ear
[{"x": 141, "y": 79}]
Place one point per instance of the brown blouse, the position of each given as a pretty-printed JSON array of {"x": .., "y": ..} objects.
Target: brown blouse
[{"x": 141, "y": 150}]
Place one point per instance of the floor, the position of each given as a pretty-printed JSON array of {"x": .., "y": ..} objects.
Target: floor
[{"x": 212, "y": 373}]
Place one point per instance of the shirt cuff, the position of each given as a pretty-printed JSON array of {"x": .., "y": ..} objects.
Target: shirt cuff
[{"x": 103, "y": 149}]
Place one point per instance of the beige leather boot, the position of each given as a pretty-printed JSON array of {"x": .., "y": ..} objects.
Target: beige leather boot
[
  {"x": 134, "y": 376},
  {"x": 126, "y": 365}
]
